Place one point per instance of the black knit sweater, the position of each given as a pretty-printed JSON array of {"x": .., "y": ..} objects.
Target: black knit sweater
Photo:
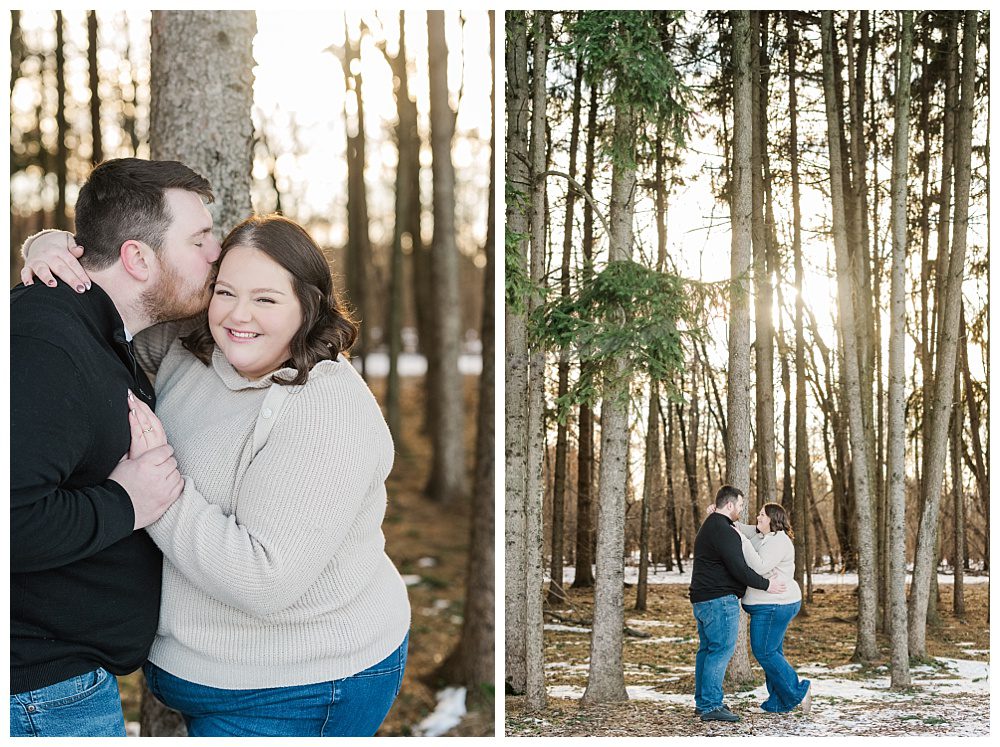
[
  {"x": 84, "y": 588},
  {"x": 719, "y": 568}
]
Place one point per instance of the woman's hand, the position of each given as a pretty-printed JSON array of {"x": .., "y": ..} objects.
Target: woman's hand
[
  {"x": 55, "y": 254},
  {"x": 710, "y": 509},
  {"x": 146, "y": 429}
]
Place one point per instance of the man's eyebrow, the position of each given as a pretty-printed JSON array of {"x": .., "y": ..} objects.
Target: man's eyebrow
[{"x": 200, "y": 231}]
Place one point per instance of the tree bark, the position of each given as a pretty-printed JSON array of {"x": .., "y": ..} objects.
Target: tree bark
[
  {"x": 900, "y": 669},
  {"x": 739, "y": 399},
  {"x": 448, "y": 481},
  {"x": 94, "y": 79},
  {"x": 946, "y": 351},
  {"x": 516, "y": 354},
  {"x": 537, "y": 153},
  {"x": 201, "y": 80},
  {"x": 606, "y": 681},
  {"x": 557, "y": 594},
  {"x": 650, "y": 488},
  {"x": 866, "y": 649},
  {"x": 62, "y": 128}
]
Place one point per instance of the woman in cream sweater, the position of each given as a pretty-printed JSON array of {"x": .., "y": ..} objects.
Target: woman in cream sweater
[
  {"x": 281, "y": 614},
  {"x": 768, "y": 549}
]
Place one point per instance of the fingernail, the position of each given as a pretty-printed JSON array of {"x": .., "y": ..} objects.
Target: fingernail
[
  {"x": 88, "y": 285},
  {"x": 130, "y": 395},
  {"x": 80, "y": 289},
  {"x": 52, "y": 283}
]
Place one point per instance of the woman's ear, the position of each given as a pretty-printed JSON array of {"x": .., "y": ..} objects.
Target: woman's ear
[{"x": 136, "y": 258}]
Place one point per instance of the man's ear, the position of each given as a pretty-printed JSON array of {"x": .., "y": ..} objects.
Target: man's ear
[{"x": 136, "y": 259}]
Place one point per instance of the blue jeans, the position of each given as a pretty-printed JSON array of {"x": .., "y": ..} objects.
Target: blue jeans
[
  {"x": 718, "y": 624},
  {"x": 87, "y": 705},
  {"x": 354, "y": 706},
  {"x": 768, "y": 623}
]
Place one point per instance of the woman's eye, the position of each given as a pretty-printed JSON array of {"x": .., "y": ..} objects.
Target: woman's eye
[{"x": 266, "y": 300}]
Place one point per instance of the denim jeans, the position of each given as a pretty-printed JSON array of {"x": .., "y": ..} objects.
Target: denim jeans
[
  {"x": 354, "y": 706},
  {"x": 768, "y": 623},
  {"x": 718, "y": 624},
  {"x": 87, "y": 705}
]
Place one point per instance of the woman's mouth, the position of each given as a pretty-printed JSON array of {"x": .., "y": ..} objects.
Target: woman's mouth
[{"x": 241, "y": 335}]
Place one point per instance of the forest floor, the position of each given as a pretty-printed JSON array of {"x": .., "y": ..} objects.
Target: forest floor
[
  {"x": 428, "y": 543},
  {"x": 950, "y": 695}
]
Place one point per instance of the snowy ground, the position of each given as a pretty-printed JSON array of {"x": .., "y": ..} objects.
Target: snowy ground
[
  {"x": 950, "y": 698},
  {"x": 661, "y": 576}
]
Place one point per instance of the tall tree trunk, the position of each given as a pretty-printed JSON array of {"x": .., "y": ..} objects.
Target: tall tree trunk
[
  {"x": 359, "y": 251},
  {"x": 673, "y": 525},
  {"x": 605, "y": 681},
  {"x": 516, "y": 354},
  {"x": 556, "y": 592},
  {"x": 583, "y": 577},
  {"x": 900, "y": 669},
  {"x": 475, "y": 649},
  {"x": 739, "y": 399},
  {"x": 802, "y": 467},
  {"x": 94, "y": 78},
  {"x": 650, "y": 488},
  {"x": 958, "y": 498},
  {"x": 866, "y": 649},
  {"x": 62, "y": 128},
  {"x": 945, "y": 352},
  {"x": 201, "y": 80},
  {"x": 537, "y": 153},
  {"x": 767, "y": 486},
  {"x": 407, "y": 187},
  {"x": 448, "y": 481}
]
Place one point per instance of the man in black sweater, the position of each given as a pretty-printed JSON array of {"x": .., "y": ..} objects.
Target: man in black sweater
[
  {"x": 85, "y": 580},
  {"x": 719, "y": 579}
]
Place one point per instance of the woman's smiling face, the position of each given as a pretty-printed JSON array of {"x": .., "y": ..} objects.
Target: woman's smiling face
[
  {"x": 763, "y": 522},
  {"x": 254, "y": 312}
]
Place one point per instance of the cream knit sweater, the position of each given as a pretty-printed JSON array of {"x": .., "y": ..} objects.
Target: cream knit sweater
[
  {"x": 274, "y": 570},
  {"x": 771, "y": 554}
]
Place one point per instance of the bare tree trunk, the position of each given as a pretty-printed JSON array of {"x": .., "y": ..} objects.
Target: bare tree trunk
[
  {"x": 201, "y": 78},
  {"x": 900, "y": 670},
  {"x": 535, "y": 690},
  {"x": 94, "y": 78},
  {"x": 516, "y": 364},
  {"x": 556, "y": 591},
  {"x": 605, "y": 681},
  {"x": 958, "y": 498},
  {"x": 584, "y": 572},
  {"x": 448, "y": 481},
  {"x": 475, "y": 649},
  {"x": 673, "y": 525},
  {"x": 407, "y": 182},
  {"x": 866, "y": 649},
  {"x": 944, "y": 372},
  {"x": 767, "y": 488},
  {"x": 802, "y": 467},
  {"x": 62, "y": 153},
  {"x": 650, "y": 488},
  {"x": 739, "y": 399}
]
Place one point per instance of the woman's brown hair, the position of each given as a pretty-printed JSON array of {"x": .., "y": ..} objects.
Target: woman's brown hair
[
  {"x": 779, "y": 518},
  {"x": 326, "y": 330}
]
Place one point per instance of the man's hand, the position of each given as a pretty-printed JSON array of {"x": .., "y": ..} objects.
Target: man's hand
[
  {"x": 151, "y": 481},
  {"x": 776, "y": 586}
]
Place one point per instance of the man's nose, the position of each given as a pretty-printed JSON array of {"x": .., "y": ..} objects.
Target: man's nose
[{"x": 214, "y": 250}]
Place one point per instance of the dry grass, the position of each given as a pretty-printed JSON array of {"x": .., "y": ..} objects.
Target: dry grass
[{"x": 824, "y": 636}]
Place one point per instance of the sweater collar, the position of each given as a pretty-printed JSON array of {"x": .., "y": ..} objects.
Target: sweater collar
[{"x": 236, "y": 382}]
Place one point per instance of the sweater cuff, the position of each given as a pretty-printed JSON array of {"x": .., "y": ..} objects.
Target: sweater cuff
[
  {"x": 26, "y": 246},
  {"x": 122, "y": 520}
]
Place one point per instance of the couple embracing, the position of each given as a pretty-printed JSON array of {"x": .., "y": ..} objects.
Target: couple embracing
[
  {"x": 755, "y": 563},
  {"x": 229, "y": 544}
]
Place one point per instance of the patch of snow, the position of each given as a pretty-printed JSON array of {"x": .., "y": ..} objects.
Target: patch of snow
[
  {"x": 663, "y": 639},
  {"x": 447, "y": 715},
  {"x": 565, "y": 628},
  {"x": 662, "y": 576},
  {"x": 411, "y": 579},
  {"x": 427, "y": 562}
]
